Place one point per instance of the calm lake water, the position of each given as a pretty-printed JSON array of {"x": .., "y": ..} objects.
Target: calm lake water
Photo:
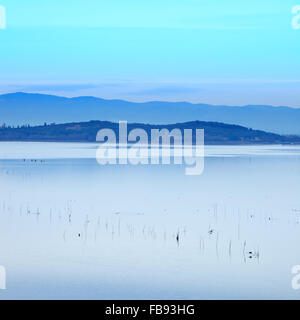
[{"x": 70, "y": 228}]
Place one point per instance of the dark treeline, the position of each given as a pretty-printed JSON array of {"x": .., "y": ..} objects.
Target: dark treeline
[{"x": 215, "y": 133}]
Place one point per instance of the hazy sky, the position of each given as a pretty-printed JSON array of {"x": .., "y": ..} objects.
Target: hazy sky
[{"x": 221, "y": 52}]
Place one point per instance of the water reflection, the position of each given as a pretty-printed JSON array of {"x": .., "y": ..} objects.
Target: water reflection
[{"x": 150, "y": 232}]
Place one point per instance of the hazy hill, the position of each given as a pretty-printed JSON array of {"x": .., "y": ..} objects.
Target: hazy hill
[
  {"x": 215, "y": 133},
  {"x": 35, "y": 109}
]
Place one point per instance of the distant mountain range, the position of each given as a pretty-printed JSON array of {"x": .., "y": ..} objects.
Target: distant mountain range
[
  {"x": 215, "y": 133},
  {"x": 35, "y": 109}
]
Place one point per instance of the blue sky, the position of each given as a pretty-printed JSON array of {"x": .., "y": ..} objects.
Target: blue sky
[{"x": 220, "y": 52}]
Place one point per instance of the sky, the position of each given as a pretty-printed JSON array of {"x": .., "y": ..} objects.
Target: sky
[{"x": 210, "y": 51}]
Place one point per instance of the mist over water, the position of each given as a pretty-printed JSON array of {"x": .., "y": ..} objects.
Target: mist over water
[{"x": 70, "y": 228}]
